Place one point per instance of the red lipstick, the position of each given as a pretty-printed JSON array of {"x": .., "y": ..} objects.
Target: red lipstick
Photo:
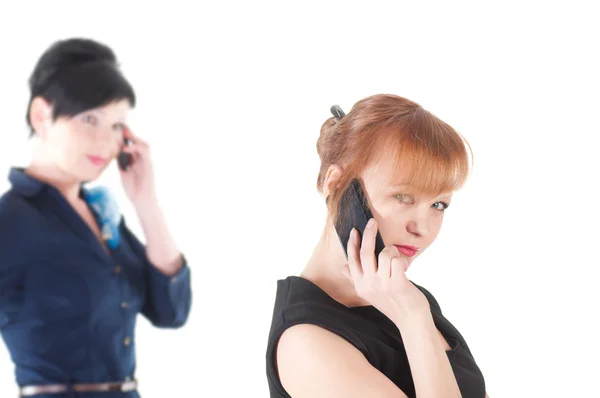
[
  {"x": 409, "y": 251},
  {"x": 97, "y": 160}
]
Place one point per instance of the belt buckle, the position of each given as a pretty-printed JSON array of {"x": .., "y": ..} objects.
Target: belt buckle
[{"x": 129, "y": 385}]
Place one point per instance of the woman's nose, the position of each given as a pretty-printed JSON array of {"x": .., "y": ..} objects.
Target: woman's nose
[{"x": 418, "y": 225}]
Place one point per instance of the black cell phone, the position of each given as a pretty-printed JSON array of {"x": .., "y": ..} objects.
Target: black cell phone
[
  {"x": 354, "y": 212},
  {"x": 123, "y": 158}
]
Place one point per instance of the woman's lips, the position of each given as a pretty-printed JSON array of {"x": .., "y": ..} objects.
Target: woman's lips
[
  {"x": 97, "y": 160},
  {"x": 409, "y": 251}
]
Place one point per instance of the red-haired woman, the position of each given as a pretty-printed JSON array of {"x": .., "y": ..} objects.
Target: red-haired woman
[{"x": 355, "y": 326}]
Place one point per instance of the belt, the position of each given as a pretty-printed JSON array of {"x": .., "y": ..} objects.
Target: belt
[{"x": 126, "y": 386}]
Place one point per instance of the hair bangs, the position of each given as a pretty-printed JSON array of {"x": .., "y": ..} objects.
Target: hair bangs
[{"x": 431, "y": 162}]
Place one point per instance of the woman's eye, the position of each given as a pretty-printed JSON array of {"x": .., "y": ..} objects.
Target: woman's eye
[
  {"x": 441, "y": 206},
  {"x": 91, "y": 119},
  {"x": 402, "y": 198}
]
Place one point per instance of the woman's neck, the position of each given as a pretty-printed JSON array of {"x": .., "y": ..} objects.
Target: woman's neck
[
  {"x": 324, "y": 269},
  {"x": 49, "y": 173}
]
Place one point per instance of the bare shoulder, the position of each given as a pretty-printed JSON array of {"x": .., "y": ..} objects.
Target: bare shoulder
[
  {"x": 430, "y": 297},
  {"x": 314, "y": 362}
]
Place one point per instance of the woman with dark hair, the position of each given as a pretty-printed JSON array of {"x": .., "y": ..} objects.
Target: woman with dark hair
[
  {"x": 73, "y": 277},
  {"x": 352, "y": 324}
]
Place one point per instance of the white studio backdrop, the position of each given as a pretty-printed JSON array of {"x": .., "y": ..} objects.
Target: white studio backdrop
[{"x": 231, "y": 99}]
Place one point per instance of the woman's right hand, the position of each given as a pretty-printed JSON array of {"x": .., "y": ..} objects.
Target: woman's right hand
[{"x": 383, "y": 282}]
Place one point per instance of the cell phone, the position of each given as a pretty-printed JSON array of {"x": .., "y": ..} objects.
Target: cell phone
[
  {"x": 354, "y": 212},
  {"x": 123, "y": 158}
]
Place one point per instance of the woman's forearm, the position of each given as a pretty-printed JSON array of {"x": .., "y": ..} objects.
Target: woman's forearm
[
  {"x": 431, "y": 370},
  {"x": 161, "y": 249}
]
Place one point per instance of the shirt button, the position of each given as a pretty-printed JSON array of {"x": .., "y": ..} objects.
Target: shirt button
[
  {"x": 127, "y": 341},
  {"x": 127, "y": 378},
  {"x": 117, "y": 269},
  {"x": 124, "y": 304},
  {"x": 174, "y": 279}
]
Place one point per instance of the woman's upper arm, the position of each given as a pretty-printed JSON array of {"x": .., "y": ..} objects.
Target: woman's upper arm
[{"x": 313, "y": 362}]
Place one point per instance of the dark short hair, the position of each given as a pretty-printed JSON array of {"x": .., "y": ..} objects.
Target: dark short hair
[{"x": 75, "y": 75}]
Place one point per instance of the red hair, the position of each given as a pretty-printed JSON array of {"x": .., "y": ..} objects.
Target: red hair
[{"x": 432, "y": 153}]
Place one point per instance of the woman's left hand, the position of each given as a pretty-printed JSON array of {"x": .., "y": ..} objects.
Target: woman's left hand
[{"x": 138, "y": 179}]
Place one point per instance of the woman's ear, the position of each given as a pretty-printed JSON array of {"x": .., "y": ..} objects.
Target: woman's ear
[
  {"x": 332, "y": 177},
  {"x": 40, "y": 116}
]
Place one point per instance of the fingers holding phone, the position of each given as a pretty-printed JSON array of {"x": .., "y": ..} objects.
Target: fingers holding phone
[
  {"x": 383, "y": 282},
  {"x": 361, "y": 254},
  {"x": 368, "y": 262},
  {"x": 136, "y": 168}
]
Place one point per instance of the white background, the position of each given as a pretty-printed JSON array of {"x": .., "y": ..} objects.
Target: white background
[{"x": 231, "y": 99}]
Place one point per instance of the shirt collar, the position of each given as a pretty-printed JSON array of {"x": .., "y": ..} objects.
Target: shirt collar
[{"x": 27, "y": 185}]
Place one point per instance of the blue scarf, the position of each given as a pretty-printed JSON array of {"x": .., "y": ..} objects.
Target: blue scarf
[{"x": 107, "y": 213}]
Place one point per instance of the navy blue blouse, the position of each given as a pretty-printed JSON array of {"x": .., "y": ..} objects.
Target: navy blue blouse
[{"x": 67, "y": 308}]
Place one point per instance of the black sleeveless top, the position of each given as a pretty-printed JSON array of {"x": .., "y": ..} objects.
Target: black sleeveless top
[{"x": 299, "y": 301}]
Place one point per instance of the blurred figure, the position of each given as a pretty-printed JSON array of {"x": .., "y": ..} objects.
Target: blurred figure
[{"x": 73, "y": 278}]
